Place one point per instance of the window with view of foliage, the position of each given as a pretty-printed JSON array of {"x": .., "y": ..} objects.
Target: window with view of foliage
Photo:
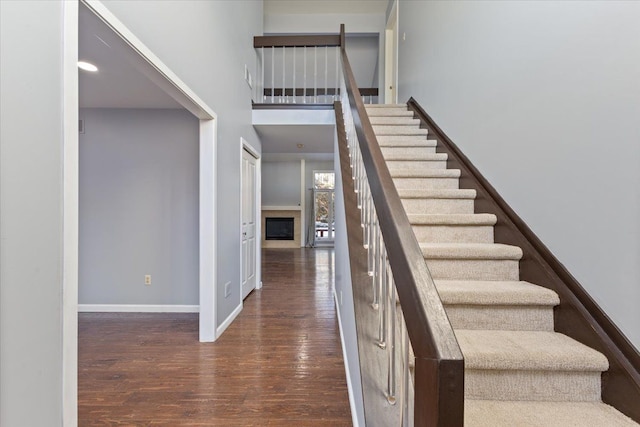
[
  {"x": 324, "y": 180},
  {"x": 323, "y": 185}
]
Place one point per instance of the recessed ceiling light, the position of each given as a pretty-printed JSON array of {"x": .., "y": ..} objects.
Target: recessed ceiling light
[{"x": 83, "y": 65}]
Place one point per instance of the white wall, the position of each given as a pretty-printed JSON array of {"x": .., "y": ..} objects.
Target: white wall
[
  {"x": 207, "y": 44},
  {"x": 31, "y": 213},
  {"x": 329, "y": 23},
  {"x": 281, "y": 183},
  {"x": 544, "y": 97},
  {"x": 138, "y": 207}
]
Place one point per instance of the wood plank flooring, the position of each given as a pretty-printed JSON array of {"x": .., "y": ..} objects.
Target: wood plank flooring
[{"x": 279, "y": 364}]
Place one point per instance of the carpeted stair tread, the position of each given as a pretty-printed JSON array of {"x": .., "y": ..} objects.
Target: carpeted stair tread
[
  {"x": 415, "y": 156},
  {"x": 452, "y": 219},
  {"x": 398, "y": 130},
  {"x": 426, "y": 173},
  {"x": 527, "y": 351},
  {"x": 495, "y": 413},
  {"x": 427, "y": 193},
  {"x": 470, "y": 251},
  {"x": 394, "y": 121},
  {"x": 487, "y": 292}
]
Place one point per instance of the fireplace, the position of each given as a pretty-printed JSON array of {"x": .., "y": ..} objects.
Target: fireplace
[{"x": 279, "y": 228}]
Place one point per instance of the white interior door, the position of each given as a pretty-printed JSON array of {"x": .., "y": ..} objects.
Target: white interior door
[{"x": 248, "y": 223}]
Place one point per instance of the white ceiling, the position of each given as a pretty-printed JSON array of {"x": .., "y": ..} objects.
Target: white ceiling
[
  {"x": 118, "y": 83},
  {"x": 324, "y": 6},
  {"x": 285, "y": 138}
]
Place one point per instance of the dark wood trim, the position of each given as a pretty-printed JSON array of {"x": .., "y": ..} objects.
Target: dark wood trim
[
  {"x": 428, "y": 327},
  {"x": 292, "y": 106},
  {"x": 330, "y": 40},
  {"x": 369, "y": 91},
  {"x": 438, "y": 402},
  {"x": 578, "y": 315}
]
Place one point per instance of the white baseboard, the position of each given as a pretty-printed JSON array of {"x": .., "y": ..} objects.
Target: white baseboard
[
  {"x": 224, "y": 325},
  {"x": 137, "y": 308},
  {"x": 352, "y": 403}
]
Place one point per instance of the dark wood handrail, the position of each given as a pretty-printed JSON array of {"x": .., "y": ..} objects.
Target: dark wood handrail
[
  {"x": 329, "y": 40},
  {"x": 578, "y": 315},
  {"x": 439, "y": 364}
]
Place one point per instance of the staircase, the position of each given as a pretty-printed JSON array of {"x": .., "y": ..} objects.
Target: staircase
[{"x": 518, "y": 371}]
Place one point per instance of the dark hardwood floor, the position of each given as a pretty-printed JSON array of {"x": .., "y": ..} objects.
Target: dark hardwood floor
[{"x": 279, "y": 364}]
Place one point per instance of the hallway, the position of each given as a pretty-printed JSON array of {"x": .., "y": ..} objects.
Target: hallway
[{"x": 280, "y": 363}]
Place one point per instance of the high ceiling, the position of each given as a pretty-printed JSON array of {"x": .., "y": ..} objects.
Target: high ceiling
[
  {"x": 285, "y": 138},
  {"x": 118, "y": 83}
]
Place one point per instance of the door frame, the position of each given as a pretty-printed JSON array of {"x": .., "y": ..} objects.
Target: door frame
[
  {"x": 245, "y": 146},
  {"x": 168, "y": 81},
  {"x": 391, "y": 56}
]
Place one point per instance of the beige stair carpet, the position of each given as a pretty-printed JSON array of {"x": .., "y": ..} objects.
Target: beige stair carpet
[{"x": 518, "y": 371}]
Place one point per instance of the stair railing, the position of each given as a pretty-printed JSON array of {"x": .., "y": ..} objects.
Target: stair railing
[
  {"x": 299, "y": 69},
  {"x": 419, "y": 334}
]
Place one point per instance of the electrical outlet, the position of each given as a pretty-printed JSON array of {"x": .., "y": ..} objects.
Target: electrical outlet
[
  {"x": 227, "y": 289},
  {"x": 147, "y": 279}
]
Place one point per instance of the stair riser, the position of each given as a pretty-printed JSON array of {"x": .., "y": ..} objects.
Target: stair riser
[
  {"x": 418, "y": 165},
  {"x": 404, "y": 152},
  {"x": 394, "y": 121},
  {"x": 398, "y": 130},
  {"x": 473, "y": 269},
  {"x": 454, "y": 233},
  {"x": 400, "y": 140},
  {"x": 512, "y": 318},
  {"x": 389, "y": 112},
  {"x": 532, "y": 385},
  {"x": 438, "y": 206},
  {"x": 426, "y": 183}
]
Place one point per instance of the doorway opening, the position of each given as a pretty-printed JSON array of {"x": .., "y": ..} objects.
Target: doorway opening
[
  {"x": 324, "y": 207},
  {"x": 117, "y": 36}
]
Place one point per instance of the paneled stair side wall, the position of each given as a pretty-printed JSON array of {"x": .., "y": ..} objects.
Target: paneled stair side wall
[{"x": 518, "y": 369}]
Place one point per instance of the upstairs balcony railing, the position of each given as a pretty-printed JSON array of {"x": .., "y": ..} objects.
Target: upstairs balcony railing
[
  {"x": 302, "y": 69},
  {"x": 411, "y": 366}
]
